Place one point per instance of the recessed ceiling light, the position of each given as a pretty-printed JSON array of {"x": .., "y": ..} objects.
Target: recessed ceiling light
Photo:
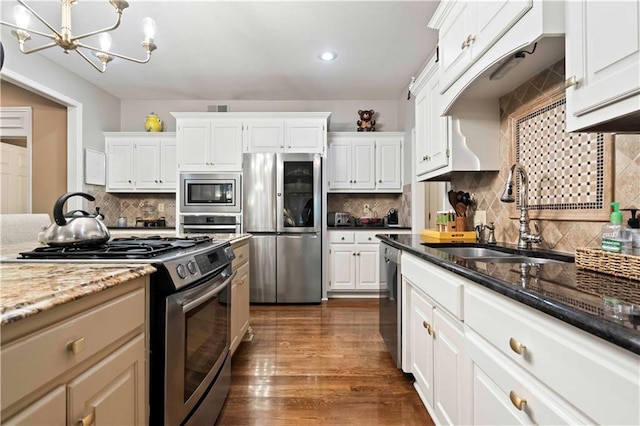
[{"x": 328, "y": 56}]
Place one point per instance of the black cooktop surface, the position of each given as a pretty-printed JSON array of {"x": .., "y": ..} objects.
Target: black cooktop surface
[{"x": 118, "y": 248}]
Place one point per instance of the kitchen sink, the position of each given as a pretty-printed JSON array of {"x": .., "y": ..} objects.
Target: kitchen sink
[
  {"x": 474, "y": 252},
  {"x": 487, "y": 255}
]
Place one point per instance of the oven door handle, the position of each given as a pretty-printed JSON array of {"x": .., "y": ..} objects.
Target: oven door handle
[
  {"x": 187, "y": 306},
  {"x": 205, "y": 227}
]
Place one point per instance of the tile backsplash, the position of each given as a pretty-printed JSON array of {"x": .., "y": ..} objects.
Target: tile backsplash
[
  {"x": 115, "y": 205},
  {"x": 353, "y": 204},
  {"x": 561, "y": 235}
]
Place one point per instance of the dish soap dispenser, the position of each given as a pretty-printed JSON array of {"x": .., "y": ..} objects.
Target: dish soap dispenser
[
  {"x": 615, "y": 237},
  {"x": 634, "y": 227}
]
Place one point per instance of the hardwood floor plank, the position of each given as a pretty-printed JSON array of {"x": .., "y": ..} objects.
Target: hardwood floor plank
[{"x": 319, "y": 364}]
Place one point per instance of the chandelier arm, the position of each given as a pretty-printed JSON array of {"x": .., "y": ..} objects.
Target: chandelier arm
[
  {"x": 29, "y": 30},
  {"x": 39, "y": 18},
  {"x": 104, "y": 66},
  {"x": 104, "y": 30},
  {"x": 36, "y": 49},
  {"x": 128, "y": 58}
]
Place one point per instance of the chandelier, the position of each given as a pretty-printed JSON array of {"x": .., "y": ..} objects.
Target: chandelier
[{"x": 68, "y": 42}]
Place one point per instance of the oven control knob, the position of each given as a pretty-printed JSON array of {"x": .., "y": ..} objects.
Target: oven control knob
[
  {"x": 229, "y": 252},
  {"x": 182, "y": 271},
  {"x": 191, "y": 266}
]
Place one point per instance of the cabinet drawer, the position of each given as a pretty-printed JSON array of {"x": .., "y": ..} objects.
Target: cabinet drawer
[
  {"x": 341, "y": 237},
  {"x": 442, "y": 286},
  {"x": 242, "y": 256},
  {"x": 47, "y": 354},
  {"x": 580, "y": 367},
  {"x": 367, "y": 237},
  {"x": 495, "y": 380}
]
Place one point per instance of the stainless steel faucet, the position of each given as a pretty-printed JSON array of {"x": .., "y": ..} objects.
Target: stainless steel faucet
[{"x": 525, "y": 237}]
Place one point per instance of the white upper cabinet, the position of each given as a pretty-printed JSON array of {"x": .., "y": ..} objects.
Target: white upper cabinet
[
  {"x": 603, "y": 57},
  {"x": 432, "y": 130},
  {"x": 365, "y": 162},
  {"x": 285, "y": 135},
  {"x": 472, "y": 27},
  {"x": 141, "y": 162},
  {"x": 476, "y": 35},
  {"x": 209, "y": 145},
  {"x": 264, "y": 136}
]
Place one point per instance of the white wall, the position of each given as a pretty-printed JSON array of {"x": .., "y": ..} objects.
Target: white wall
[
  {"x": 344, "y": 114},
  {"x": 100, "y": 110}
]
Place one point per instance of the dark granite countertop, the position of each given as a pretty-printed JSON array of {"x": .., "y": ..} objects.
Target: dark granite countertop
[
  {"x": 561, "y": 290},
  {"x": 367, "y": 228}
]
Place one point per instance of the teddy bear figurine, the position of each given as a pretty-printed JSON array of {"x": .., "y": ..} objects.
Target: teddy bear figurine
[{"x": 366, "y": 123}]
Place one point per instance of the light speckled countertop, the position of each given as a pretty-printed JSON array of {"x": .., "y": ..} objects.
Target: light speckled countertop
[{"x": 28, "y": 288}]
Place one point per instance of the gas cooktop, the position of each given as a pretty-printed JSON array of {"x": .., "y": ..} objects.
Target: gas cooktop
[{"x": 147, "y": 247}]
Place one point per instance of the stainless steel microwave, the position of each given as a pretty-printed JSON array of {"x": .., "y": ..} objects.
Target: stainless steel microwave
[{"x": 210, "y": 193}]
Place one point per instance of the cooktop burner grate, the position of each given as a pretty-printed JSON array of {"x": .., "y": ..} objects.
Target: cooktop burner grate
[{"x": 118, "y": 248}]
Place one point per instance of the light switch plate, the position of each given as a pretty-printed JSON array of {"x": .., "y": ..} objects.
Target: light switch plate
[{"x": 480, "y": 218}]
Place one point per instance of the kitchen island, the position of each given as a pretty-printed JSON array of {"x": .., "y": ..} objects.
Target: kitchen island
[{"x": 514, "y": 342}]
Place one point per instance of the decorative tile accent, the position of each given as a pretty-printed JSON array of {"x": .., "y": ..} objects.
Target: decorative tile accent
[
  {"x": 353, "y": 203},
  {"x": 557, "y": 234},
  {"x": 567, "y": 172}
]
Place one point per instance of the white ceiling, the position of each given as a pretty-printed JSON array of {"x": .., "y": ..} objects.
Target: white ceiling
[{"x": 261, "y": 50}]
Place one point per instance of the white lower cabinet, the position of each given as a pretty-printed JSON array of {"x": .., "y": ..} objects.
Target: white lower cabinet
[
  {"x": 354, "y": 261},
  {"x": 435, "y": 342},
  {"x": 482, "y": 358},
  {"x": 239, "y": 295},
  {"x": 81, "y": 363}
]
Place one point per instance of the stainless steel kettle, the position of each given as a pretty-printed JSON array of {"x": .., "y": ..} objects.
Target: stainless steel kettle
[{"x": 84, "y": 230}]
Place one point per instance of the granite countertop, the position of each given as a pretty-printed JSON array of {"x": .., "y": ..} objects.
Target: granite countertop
[
  {"x": 561, "y": 290},
  {"x": 29, "y": 288}
]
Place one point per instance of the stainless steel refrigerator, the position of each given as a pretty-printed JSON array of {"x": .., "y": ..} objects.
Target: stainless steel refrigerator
[{"x": 282, "y": 210}]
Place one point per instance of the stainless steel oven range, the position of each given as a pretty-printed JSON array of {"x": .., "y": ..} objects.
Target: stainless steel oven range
[
  {"x": 210, "y": 193},
  {"x": 189, "y": 314}
]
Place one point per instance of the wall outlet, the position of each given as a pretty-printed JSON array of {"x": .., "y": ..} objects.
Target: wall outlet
[
  {"x": 160, "y": 207},
  {"x": 366, "y": 209},
  {"x": 480, "y": 218}
]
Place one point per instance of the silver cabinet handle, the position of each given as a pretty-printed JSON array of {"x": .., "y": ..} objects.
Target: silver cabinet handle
[{"x": 571, "y": 81}]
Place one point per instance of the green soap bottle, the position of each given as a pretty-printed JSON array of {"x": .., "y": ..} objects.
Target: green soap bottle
[{"x": 615, "y": 237}]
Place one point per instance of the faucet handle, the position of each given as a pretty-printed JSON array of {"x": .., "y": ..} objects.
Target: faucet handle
[
  {"x": 492, "y": 236},
  {"x": 491, "y": 226}
]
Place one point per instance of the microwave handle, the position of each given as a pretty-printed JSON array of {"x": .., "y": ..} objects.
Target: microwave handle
[{"x": 187, "y": 306}]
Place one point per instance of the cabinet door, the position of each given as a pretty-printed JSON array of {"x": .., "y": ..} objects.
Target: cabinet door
[
  {"x": 437, "y": 135},
  {"x": 367, "y": 267},
  {"x": 264, "y": 136},
  {"x": 51, "y": 409},
  {"x": 454, "y": 52},
  {"x": 147, "y": 164},
  {"x": 389, "y": 164},
  {"x": 421, "y": 113},
  {"x": 448, "y": 368},
  {"x": 363, "y": 163},
  {"x": 603, "y": 53},
  {"x": 339, "y": 162},
  {"x": 226, "y": 147},
  {"x": 304, "y": 136},
  {"x": 113, "y": 390},
  {"x": 120, "y": 167},
  {"x": 343, "y": 270},
  {"x": 421, "y": 344},
  {"x": 168, "y": 164},
  {"x": 239, "y": 306},
  {"x": 194, "y": 145}
]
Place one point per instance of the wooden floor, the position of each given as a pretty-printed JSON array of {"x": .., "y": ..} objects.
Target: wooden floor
[{"x": 319, "y": 364}]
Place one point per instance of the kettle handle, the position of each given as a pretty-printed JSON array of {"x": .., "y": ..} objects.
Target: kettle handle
[{"x": 58, "y": 216}]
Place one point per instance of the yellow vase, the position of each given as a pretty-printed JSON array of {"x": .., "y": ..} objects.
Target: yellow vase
[{"x": 153, "y": 123}]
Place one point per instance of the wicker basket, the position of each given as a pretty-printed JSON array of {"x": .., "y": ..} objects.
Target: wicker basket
[{"x": 618, "y": 264}]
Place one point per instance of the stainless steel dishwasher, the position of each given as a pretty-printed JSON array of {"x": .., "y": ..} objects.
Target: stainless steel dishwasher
[{"x": 390, "y": 321}]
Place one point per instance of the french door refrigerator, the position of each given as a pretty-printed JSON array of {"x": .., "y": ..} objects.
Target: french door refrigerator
[{"x": 282, "y": 210}]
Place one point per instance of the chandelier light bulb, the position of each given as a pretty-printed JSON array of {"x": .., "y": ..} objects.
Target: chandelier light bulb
[
  {"x": 22, "y": 15},
  {"x": 149, "y": 28},
  {"x": 105, "y": 41}
]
